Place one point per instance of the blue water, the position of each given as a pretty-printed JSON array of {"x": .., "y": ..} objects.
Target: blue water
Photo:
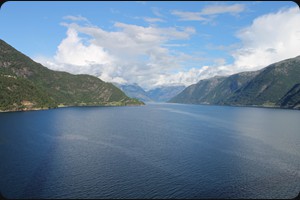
[{"x": 152, "y": 151}]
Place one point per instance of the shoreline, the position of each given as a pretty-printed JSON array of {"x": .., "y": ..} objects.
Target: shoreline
[
  {"x": 66, "y": 106},
  {"x": 33, "y": 109},
  {"x": 119, "y": 105},
  {"x": 240, "y": 106}
]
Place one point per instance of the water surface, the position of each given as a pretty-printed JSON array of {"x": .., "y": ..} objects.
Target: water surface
[{"x": 152, "y": 151}]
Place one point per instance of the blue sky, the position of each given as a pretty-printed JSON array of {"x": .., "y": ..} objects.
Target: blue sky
[{"x": 153, "y": 43}]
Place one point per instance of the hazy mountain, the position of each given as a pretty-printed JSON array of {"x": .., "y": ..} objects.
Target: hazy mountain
[
  {"x": 164, "y": 93},
  {"x": 160, "y": 94},
  {"x": 274, "y": 86},
  {"x": 228, "y": 86},
  {"x": 134, "y": 91},
  {"x": 25, "y": 85},
  {"x": 197, "y": 93}
]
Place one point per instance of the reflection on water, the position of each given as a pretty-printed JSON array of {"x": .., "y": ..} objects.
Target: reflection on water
[{"x": 152, "y": 151}]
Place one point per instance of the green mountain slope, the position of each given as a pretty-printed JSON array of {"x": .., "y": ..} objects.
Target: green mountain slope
[
  {"x": 272, "y": 86},
  {"x": 197, "y": 93},
  {"x": 291, "y": 99},
  {"x": 21, "y": 94},
  {"x": 26, "y": 84},
  {"x": 227, "y": 87}
]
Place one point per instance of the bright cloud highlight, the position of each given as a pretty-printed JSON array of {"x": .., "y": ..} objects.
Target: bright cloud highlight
[{"x": 144, "y": 54}]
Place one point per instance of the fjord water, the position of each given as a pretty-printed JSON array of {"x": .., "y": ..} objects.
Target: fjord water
[{"x": 152, "y": 151}]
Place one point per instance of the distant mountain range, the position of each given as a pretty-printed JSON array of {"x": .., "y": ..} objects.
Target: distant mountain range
[
  {"x": 164, "y": 93},
  {"x": 134, "y": 91},
  {"x": 160, "y": 94},
  {"x": 27, "y": 85},
  {"x": 277, "y": 85}
]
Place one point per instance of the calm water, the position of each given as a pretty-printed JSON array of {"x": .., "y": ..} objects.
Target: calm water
[{"x": 152, "y": 151}]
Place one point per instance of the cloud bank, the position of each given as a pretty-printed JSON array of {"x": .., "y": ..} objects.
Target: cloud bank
[
  {"x": 145, "y": 54},
  {"x": 270, "y": 38}
]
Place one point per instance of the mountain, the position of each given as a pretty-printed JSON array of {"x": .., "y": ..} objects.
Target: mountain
[
  {"x": 164, "y": 93},
  {"x": 160, "y": 94},
  {"x": 228, "y": 86},
  {"x": 291, "y": 99},
  {"x": 27, "y": 85},
  {"x": 197, "y": 93},
  {"x": 276, "y": 85},
  {"x": 134, "y": 91},
  {"x": 270, "y": 85}
]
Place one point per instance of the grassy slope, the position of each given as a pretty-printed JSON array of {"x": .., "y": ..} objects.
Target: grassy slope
[
  {"x": 197, "y": 93},
  {"x": 270, "y": 85},
  {"x": 292, "y": 98},
  {"x": 266, "y": 87},
  {"x": 23, "y": 79}
]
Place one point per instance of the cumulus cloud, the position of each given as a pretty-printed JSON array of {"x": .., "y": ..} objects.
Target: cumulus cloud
[
  {"x": 144, "y": 54},
  {"x": 130, "y": 54},
  {"x": 270, "y": 38},
  {"x": 72, "y": 51}
]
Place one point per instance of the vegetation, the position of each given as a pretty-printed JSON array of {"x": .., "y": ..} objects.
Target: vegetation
[
  {"x": 26, "y": 85},
  {"x": 277, "y": 85},
  {"x": 21, "y": 94},
  {"x": 292, "y": 98},
  {"x": 198, "y": 93}
]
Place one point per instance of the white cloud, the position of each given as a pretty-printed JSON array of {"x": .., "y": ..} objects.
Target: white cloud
[
  {"x": 75, "y": 18},
  {"x": 153, "y": 20},
  {"x": 143, "y": 55},
  {"x": 220, "y": 9},
  {"x": 188, "y": 16},
  {"x": 203, "y": 14},
  {"x": 72, "y": 51},
  {"x": 270, "y": 38},
  {"x": 130, "y": 54}
]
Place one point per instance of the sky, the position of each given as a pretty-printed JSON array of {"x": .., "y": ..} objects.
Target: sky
[{"x": 153, "y": 43}]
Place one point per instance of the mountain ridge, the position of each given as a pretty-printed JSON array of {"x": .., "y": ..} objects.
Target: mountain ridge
[
  {"x": 276, "y": 85},
  {"x": 164, "y": 93},
  {"x": 134, "y": 91},
  {"x": 28, "y": 85},
  {"x": 158, "y": 94}
]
